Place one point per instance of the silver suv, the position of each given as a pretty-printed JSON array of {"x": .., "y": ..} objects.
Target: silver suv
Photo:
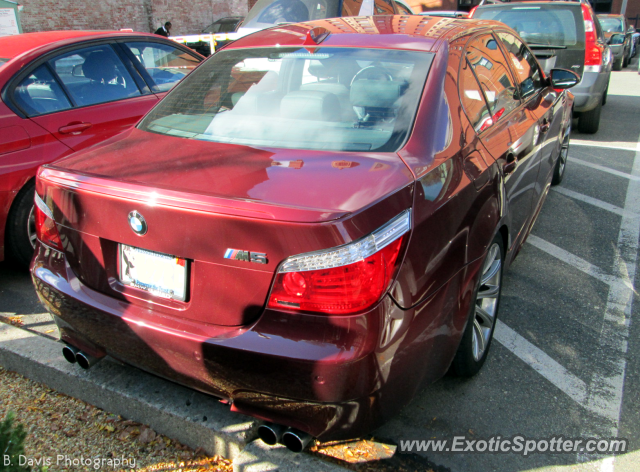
[{"x": 567, "y": 35}]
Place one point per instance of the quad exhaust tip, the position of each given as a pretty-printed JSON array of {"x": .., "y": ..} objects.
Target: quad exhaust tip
[
  {"x": 294, "y": 440},
  {"x": 271, "y": 433},
  {"x": 69, "y": 353}
]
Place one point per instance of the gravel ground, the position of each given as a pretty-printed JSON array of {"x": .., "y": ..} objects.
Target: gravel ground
[{"x": 65, "y": 431}]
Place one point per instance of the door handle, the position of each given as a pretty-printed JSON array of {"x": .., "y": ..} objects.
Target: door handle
[
  {"x": 75, "y": 127},
  {"x": 544, "y": 127},
  {"x": 511, "y": 164}
]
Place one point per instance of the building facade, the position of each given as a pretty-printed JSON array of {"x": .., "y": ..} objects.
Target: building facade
[{"x": 140, "y": 15}]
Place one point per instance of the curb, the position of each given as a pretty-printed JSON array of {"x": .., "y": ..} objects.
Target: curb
[{"x": 191, "y": 417}]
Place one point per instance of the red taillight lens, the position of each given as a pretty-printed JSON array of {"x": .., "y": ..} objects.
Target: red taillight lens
[
  {"x": 46, "y": 229},
  {"x": 342, "y": 280},
  {"x": 593, "y": 51},
  {"x": 339, "y": 290}
]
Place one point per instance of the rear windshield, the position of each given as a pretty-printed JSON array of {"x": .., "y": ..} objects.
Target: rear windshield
[
  {"x": 342, "y": 99},
  {"x": 267, "y": 13},
  {"x": 557, "y": 25},
  {"x": 611, "y": 25}
]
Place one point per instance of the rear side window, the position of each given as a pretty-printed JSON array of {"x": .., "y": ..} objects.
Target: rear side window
[
  {"x": 472, "y": 99},
  {"x": 489, "y": 65},
  {"x": 523, "y": 63},
  {"x": 40, "y": 93},
  {"x": 556, "y": 25},
  {"x": 94, "y": 75},
  {"x": 611, "y": 25}
]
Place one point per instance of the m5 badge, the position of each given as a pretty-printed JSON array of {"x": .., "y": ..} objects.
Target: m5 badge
[{"x": 239, "y": 255}]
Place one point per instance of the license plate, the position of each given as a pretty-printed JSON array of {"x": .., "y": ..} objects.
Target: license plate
[{"x": 160, "y": 274}]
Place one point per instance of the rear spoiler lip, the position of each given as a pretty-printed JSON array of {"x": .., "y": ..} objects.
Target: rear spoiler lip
[{"x": 243, "y": 208}]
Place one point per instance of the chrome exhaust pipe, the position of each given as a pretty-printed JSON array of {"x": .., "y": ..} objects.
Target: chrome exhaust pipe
[
  {"x": 69, "y": 352},
  {"x": 85, "y": 360},
  {"x": 296, "y": 441},
  {"x": 271, "y": 433}
]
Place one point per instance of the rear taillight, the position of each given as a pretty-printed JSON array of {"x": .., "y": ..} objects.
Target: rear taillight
[
  {"x": 471, "y": 12},
  {"x": 344, "y": 280},
  {"x": 46, "y": 229},
  {"x": 593, "y": 51}
]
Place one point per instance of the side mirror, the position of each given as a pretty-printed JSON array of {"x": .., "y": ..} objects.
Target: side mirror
[
  {"x": 616, "y": 39},
  {"x": 563, "y": 78},
  {"x": 77, "y": 71}
]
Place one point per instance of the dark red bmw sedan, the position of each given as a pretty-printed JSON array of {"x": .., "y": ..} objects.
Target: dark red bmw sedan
[{"x": 313, "y": 224}]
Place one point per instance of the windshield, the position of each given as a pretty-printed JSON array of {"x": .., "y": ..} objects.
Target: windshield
[
  {"x": 611, "y": 25},
  {"x": 555, "y": 25},
  {"x": 340, "y": 99},
  {"x": 227, "y": 26},
  {"x": 267, "y": 13}
]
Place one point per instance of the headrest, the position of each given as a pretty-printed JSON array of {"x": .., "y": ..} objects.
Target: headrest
[
  {"x": 375, "y": 93},
  {"x": 311, "y": 105},
  {"x": 318, "y": 69},
  {"x": 99, "y": 66}
]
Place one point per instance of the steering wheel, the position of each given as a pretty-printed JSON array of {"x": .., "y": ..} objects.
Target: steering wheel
[{"x": 372, "y": 73}]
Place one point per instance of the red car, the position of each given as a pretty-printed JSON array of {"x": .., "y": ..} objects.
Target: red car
[
  {"x": 66, "y": 90},
  {"x": 314, "y": 223}
]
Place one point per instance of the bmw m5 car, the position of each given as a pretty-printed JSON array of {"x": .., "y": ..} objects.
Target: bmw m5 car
[{"x": 314, "y": 223}]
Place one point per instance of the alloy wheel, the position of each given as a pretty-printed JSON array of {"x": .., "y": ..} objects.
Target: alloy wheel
[
  {"x": 31, "y": 227},
  {"x": 487, "y": 302}
]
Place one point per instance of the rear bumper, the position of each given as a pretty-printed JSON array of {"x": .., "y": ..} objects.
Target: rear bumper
[
  {"x": 588, "y": 92},
  {"x": 328, "y": 376}
]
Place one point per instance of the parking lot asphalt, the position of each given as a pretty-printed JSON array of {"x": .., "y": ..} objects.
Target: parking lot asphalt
[{"x": 566, "y": 358}]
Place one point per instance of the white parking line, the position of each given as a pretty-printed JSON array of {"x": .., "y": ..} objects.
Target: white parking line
[
  {"x": 608, "y": 170},
  {"x": 575, "y": 261},
  {"x": 579, "y": 142},
  {"x": 541, "y": 363},
  {"x": 593, "y": 201},
  {"x": 606, "y": 388}
]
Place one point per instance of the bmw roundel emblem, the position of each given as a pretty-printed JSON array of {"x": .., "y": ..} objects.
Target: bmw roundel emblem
[{"x": 137, "y": 223}]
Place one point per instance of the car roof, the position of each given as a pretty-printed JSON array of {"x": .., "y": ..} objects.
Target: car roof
[
  {"x": 14, "y": 45},
  {"x": 415, "y": 32}
]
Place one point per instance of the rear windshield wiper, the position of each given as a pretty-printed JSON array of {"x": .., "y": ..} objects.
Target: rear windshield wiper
[{"x": 545, "y": 46}]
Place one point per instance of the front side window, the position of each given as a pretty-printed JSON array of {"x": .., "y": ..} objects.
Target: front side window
[
  {"x": 267, "y": 13},
  {"x": 489, "y": 65},
  {"x": 165, "y": 64},
  {"x": 94, "y": 75},
  {"x": 340, "y": 99},
  {"x": 524, "y": 65},
  {"x": 40, "y": 93}
]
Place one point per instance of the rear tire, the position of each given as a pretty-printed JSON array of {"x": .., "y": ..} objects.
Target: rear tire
[
  {"x": 589, "y": 121},
  {"x": 618, "y": 64},
  {"x": 21, "y": 226},
  {"x": 476, "y": 340}
]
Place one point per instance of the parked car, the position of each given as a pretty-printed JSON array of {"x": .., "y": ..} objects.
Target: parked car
[
  {"x": 566, "y": 35},
  {"x": 446, "y": 13},
  {"x": 314, "y": 223},
  {"x": 619, "y": 36},
  {"x": 269, "y": 13},
  {"x": 66, "y": 90},
  {"x": 215, "y": 36}
]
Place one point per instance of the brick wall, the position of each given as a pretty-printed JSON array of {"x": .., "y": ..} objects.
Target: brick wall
[{"x": 141, "y": 15}]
